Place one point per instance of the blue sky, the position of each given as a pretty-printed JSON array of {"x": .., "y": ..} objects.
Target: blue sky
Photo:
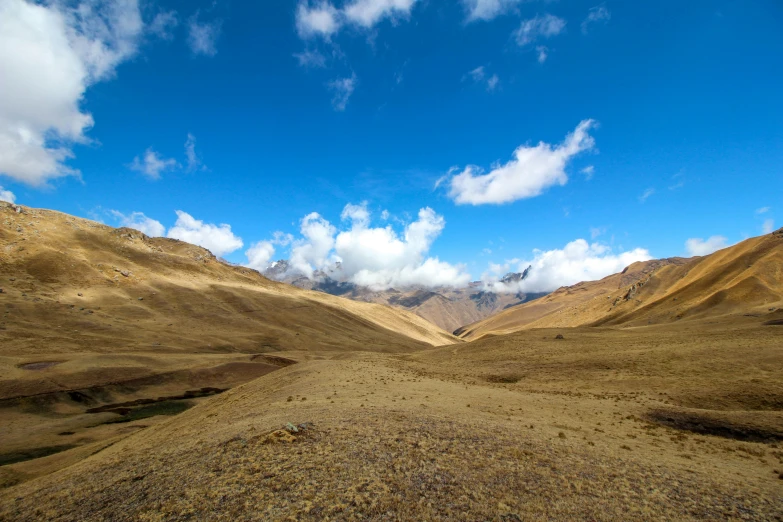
[{"x": 294, "y": 108}]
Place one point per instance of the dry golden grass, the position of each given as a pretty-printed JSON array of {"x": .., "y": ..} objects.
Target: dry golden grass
[
  {"x": 742, "y": 279},
  {"x": 675, "y": 421}
]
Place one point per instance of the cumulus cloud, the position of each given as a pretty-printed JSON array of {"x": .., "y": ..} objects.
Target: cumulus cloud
[
  {"x": 313, "y": 251},
  {"x": 151, "y": 164},
  {"x": 260, "y": 254},
  {"x": 768, "y": 226},
  {"x": 50, "y": 54},
  {"x": 322, "y": 19},
  {"x": 533, "y": 170},
  {"x": 203, "y": 36},
  {"x": 140, "y": 222},
  {"x": 218, "y": 239},
  {"x": 597, "y": 14},
  {"x": 376, "y": 257},
  {"x": 7, "y": 195},
  {"x": 548, "y": 270},
  {"x": 488, "y": 9},
  {"x": 539, "y": 27},
  {"x": 342, "y": 89},
  {"x": 697, "y": 246}
]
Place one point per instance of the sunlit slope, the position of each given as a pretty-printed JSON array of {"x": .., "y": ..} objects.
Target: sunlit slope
[
  {"x": 71, "y": 284},
  {"x": 746, "y": 278},
  {"x": 561, "y": 304}
]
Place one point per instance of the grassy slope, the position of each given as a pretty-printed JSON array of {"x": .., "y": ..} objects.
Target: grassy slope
[
  {"x": 746, "y": 278},
  {"x": 432, "y": 436}
]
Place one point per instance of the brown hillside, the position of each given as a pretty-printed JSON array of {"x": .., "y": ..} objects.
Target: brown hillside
[{"x": 746, "y": 278}]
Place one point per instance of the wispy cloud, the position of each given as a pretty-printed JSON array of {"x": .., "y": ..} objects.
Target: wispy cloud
[
  {"x": 646, "y": 194},
  {"x": 538, "y": 27},
  {"x": 762, "y": 210},
  {"x": 203, "y": 36},
  {"x": 342, "y": 89},
  {"x": 152, "y": 164},
  {"x": 768, "y": 226},
  {"x": 479, "y": 76},
  {"x": 597, "y": 14},
  {"x": 313, "y": 59},
  {"x": 589, "y": 172}
]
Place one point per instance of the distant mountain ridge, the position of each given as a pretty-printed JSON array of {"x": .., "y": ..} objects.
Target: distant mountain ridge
[{"x": 448, "y": 308}]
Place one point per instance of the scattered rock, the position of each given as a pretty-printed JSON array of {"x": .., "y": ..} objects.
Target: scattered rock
[
  {"x": 125, "y": 273},
  {"x": 141, "y": 299},
  {"x": 291, "y": 428},
  {"x": 559, "y": 336},
  {"x": 80, "y": 295}
]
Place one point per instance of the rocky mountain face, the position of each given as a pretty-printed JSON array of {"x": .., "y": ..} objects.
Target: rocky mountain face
[{"x": 448, "y": 308}]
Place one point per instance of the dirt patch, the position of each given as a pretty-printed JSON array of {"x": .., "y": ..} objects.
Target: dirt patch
[
  {"x": 505, "y": 378},
  {"x": 41, "y": 365},
  {"x": 718, "y": 425}
]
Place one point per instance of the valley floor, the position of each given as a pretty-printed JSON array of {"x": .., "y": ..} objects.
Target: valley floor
[{"x": 605, "y": 424}]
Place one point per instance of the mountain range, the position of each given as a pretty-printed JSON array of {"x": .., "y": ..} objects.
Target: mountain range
[{"x": 449, "y": 308}]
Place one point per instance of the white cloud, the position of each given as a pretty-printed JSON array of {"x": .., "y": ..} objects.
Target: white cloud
[
  {"x": 218, "y": 239},
  {"x": 260, "y": 254},
  {"x": 488, "y": 9},
  {"x": 49, "y": 55},
  {"x": 7, "y": 195},
  {"x": 375, "y": 257},
  {"x": 163, "y": 25},
  {"x": 542, "y": 52},
  {"x": 193, "y": 161},
  {"x": 588, "y": 171},
  {"x": 768, "y": 226},
  {"x": 646, "y": 194},
  {"x": 596, "y": 14},
  {"x": 367, "y": 13},
  {"x": 152, "y": 164},
  {"x": 533, "y": 169},
  {"x": 577, "y": 261},
  {"x": 322, "y": 19},
  {"x": 140, "y": 222},
  {"x": 697, "y": 246},
  {"x": 312, "y": 251},
  {"x": 202, "y": 36},
  {"x": 762, "y": 210},
  {"x": 541, "y": 26},
  {"x": 311, "y": 59},
  {"x": 342, "y": 89}
]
